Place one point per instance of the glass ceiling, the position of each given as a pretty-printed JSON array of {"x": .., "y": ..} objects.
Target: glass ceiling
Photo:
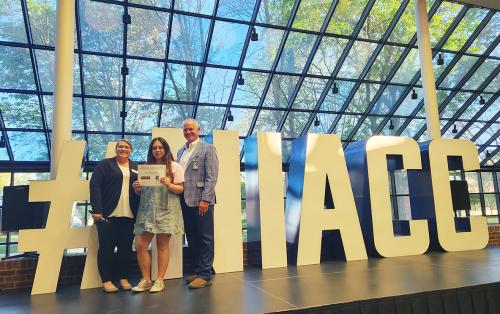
[{"x": 349, "y": 67}]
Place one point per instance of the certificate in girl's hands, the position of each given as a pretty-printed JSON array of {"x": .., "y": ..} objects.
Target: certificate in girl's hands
[{"x": 150, "y": 175}]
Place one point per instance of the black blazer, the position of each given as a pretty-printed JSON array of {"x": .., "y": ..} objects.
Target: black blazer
[{"x": 106, "y": 187}]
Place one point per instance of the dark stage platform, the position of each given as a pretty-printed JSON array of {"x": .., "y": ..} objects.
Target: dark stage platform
[{"x": 463, "y": 282}]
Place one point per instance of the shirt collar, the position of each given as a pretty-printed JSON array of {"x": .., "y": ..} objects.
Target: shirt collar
[{"x": 192, "y": 144}]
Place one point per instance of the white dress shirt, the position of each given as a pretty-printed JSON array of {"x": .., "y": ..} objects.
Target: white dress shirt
[{"x": 187, "y": 153}]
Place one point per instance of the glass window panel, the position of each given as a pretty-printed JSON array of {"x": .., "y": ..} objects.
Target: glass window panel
[
  {"x": 23, "y": 178},
  {"x": 442, "y": 19},
  {"x": 182, "y": 82},
  {"x": 405, "y": 29},
  {"x": 472, "y": 182},
  {"x": 261, "y": 53},
  {"x": 141, "y": 145},
  {"x": 274, "y": 12},
  {"x": 346, "y": 16},
  {"x": 20, "y": 111},
  {"x": 490, "y": 205},
  {"x": 494, "y": 86},
  {"x": 98, "y": 145},
  {"x": 481, "y": 74},
  {"x": 364, "y": 95},
  {"x": 396, "y": 122},
  {"x": 35, "y": 151},
  {"x": 309, "y": 93},
  {"x": 327, "y": 56},
  {"x": 141, "y": 116},
  {"x": 356, "y": 60},
  {"x": 487, "y": 36},
  {"x": 12, "y": 21},
  {"x": 147, "y": 34},
  {"x": 217, "y": 85},
  {"x": 489, "y": 134},
  {"x": 294, "y": 56},
  {"x": 4, "y": 155},
  {"x": 401, "y": 182},
  {"x": 368, "y": 127},
  {"x": 465, "y": 28},
  {"x": 103, "y": 115},
  {"x": 144, "y": 79},
  {"x": 404, "y": 208},
  {"x": 413, "y": 127},
  {"x": 476, "y": 127},
  {"x": 155, "y": 3},
  {"x": 408, "y": 105},
  {"x": 459, "y": 71},
  {"x": 46, "y": 70},
  {"x": 280, "y": 91},
  {"x": 210, "y": 118},
  {"x": 492, "y": 110},
  {"x": 379, "y": 18},
  {"x": 250, "y": 93},
  {"x": 15, "y": 68},
  {"x": 173, "y": 115},
  {"x": 449, "y": 132},
  {"x": 101, "y": 26},
  {"x": 442, "y": 95},
  {"x": 334, "y": 102},
  {"x": 242, "y": 120},
  {"x": 102, "y": 75},
  {"x": 4, "y": 181},
  {"x": 42, "y": 15},
  {"x": 387, "y": 100},
  {"x": 294, "y": 124},
  {"x": 345, "y": 125},
  {"x": 77, "y": 112},
  {"x": 325, "y": 122},
  {"x": 227, "y": 43},
  {"x": 386, "y": 59},
  {"x": 188, "y": 38},
  {"x": 408, "y": 68},
  {"x": 455, "y": 104},
  {"x": 311, "y": 14},
  {"x": 268, "y": 120},
  {"x": 286, "y": 148},
  {"x": 496, "y": 51},
  {"x": 236, "y": 9},
  {"x": 487, "y": 181},
  {"x": 195, "y": 6}
]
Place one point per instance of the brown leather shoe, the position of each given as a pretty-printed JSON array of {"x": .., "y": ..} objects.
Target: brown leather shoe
[
  {"x": 199, "y": 283},
  {"x": 191, "y": 278}
]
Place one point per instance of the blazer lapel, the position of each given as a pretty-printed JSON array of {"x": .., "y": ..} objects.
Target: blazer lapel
[{"x": 195, "y": 152}]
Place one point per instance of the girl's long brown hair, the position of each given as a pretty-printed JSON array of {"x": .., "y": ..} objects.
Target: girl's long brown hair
[{"x": 167, "y": 158}]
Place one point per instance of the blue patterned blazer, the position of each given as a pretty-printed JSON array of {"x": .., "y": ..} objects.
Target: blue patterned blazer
[{"x": 200, "y": 174}]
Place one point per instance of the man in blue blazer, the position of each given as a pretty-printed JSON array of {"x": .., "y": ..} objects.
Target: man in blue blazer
[{"x": 201, "y": 165}]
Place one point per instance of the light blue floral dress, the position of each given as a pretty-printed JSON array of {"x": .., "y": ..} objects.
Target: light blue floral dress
[{"x": 159, "y": 209}]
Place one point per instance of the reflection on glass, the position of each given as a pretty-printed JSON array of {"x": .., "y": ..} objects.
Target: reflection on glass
[
  {"x": 327, "y": 56},
  {"x": 141, "y": 116},
  {"x": 309, "y": 93},
  {"x": 261, "y": 53},
  {"x": 144, "y": 79},
  {"x": 11, "y": 21},
  {"x": 173, "y": 115},
  {"x": 280, "y": 91},
  {"x": 102, "y": 75},
  {"x": 311, "y": 14},
  {"x": 147, "y": 34},
  {"x": 294, "y": 56},
  {"x": 15, "y": 70},
  {"x": 357, "y": 58},
  {"x": 188, "y": 38},
  {"x": 217, "y": 85},
  {"x": 346, "y": 16},
  {"x": 20, "y": 111},
  {"x": 103, "y": 115},
  {"x": 181, "y": 82},
  {"x": 35, "y": 151},
  {"x": 250, "y": 93},
  {"x": 227, "y": 43},
  {"x": 101, "y": 26}
]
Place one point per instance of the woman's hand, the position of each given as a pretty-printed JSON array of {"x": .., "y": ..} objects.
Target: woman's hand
[
  {"x": 137, "y": 187},
  {"x": 165, "y": 181}
]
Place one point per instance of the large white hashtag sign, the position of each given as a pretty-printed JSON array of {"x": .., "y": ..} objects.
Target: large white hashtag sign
[{"x": 62, "y": 192}]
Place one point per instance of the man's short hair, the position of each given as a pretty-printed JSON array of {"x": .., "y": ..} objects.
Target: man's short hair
[{"x": 193, "y": 121}]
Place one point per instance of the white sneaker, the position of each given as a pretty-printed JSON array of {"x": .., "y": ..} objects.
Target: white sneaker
[
  {"x": 158, "y": 286},
  {"x": 143, "y": 285}
]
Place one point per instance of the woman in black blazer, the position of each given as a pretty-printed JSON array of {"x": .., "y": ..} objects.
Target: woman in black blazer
[{"x": 114, "y": 208}]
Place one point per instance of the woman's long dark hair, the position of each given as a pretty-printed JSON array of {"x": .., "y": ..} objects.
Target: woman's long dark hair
[{"x": 167, "y": 158}]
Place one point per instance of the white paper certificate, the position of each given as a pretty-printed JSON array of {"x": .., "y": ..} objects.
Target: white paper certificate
[{"x": 150, "y": 175}]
